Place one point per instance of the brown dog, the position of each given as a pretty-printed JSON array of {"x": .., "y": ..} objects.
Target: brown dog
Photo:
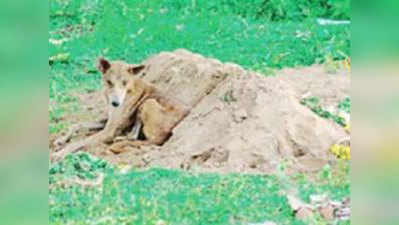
[{"x": 132, "y": 103}]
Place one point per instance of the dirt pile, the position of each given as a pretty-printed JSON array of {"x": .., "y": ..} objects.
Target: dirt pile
[{"x": 240, "y": 121}]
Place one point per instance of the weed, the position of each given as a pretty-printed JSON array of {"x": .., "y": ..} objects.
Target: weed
[
  {"x": 345, "y": 105},
  {"x": 229, "y": 97},
  {"x": 314, "y": 104},
  {"x": 149, "y": 196}
]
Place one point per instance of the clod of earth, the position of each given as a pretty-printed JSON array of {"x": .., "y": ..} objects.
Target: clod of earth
[
  {"x": 239, "y": 120},
  {"x": 321, "y": 204}
]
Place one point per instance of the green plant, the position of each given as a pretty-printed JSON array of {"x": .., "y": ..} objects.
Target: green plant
[
  {"x": 172, "y": 196},
  {"x": 81, "y": 165},
  {"x": 345, "y": 105},
  {"x": 314, "y": 104}
]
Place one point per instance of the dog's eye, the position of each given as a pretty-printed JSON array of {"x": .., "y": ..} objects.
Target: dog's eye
[
  {"x": 124, "y": 83},
  {"x": 129, "y": 91},
  {"x": 110, "y": 83}
]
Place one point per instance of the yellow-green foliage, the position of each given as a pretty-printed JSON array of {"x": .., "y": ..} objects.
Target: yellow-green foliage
[{"x": 341, "y": 151}]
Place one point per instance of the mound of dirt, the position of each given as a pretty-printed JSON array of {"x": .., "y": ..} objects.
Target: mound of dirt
[
  {"x": 240, "y": 121},
  {"x": 315, "y": 81}
]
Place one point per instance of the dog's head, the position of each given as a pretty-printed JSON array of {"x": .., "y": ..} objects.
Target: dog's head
[{"x": 116, "y": 78}]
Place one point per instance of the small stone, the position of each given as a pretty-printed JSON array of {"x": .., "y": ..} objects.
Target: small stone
[
  {"x": 343, "y": 214},
  {"x": 336, "y": 204},
  {"x": 318, "y": 200},
  {"x": 240, "y": 115},
  {"x": 327, "y": 212},
  {"x": 295, "y": 203},
  {"x": 304, "y": 213}
]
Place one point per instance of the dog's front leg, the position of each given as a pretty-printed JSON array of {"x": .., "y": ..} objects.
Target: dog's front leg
[
  {"x": 122, "y": 117},
  {"x": 119, "y": 121},
  {"x": 134, "y": 134},
  {"x": 93, "y": 126}
]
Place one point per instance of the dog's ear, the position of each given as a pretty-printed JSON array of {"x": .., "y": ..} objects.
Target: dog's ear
[
  {"x": 103, "y": 65},
  {"x": 134, "y": 70}
]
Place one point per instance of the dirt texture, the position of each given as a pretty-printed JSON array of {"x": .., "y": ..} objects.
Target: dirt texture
[{"x": 240, "y": 121}]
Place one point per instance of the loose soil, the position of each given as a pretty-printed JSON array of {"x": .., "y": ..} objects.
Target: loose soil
[{"x": 240, "y": 121}]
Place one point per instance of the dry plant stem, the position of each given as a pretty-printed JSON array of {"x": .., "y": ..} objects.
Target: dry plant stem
[
  {"x": 77, "y": 181},
  {"x": 119, "y": 121},
  {"x": 123, "y": 145},
  {"x": 76, "y": 129}
]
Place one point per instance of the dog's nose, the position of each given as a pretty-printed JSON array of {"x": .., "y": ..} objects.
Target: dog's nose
[{"x": 115, "y": 103}]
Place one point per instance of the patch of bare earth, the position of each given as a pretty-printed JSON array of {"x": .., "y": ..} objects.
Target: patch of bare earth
[{"x": 240, "y": 121}]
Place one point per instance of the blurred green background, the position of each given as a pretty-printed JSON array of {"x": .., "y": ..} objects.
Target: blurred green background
[{"x": 23, "y": 112}]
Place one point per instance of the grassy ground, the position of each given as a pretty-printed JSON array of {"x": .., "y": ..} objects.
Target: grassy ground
[
  {"x": 257, "y": 34},
  {"x": 175, "y": 197}
]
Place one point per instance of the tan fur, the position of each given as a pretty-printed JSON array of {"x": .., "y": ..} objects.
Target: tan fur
[{"x": 137, "y": 102}]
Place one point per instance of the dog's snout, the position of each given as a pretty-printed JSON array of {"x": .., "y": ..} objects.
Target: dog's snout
[{"x": 115, "y": 103}]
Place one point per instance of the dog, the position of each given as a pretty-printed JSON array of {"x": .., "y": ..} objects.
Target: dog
[{"x": 134, "y": 105}]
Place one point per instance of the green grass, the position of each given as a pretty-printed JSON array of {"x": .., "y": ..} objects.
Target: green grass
[
  {"x": 177, "y": 197},
  {"x": 314, "y": 104},
  {"x": 261, "y": 35}
]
